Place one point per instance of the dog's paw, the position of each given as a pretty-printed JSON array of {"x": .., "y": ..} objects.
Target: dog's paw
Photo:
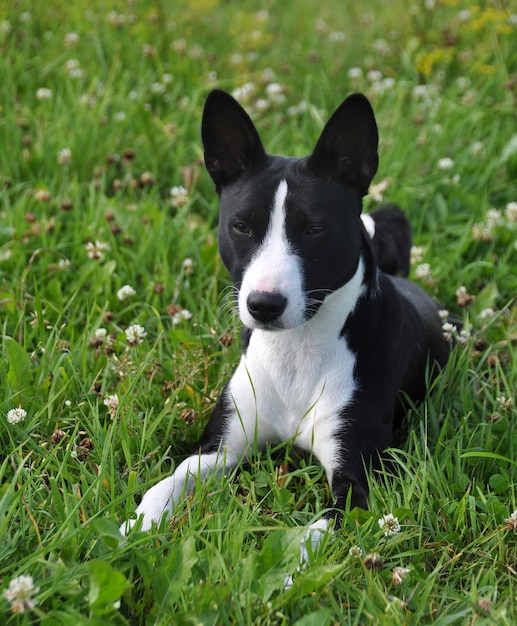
[
  {"x": 155, "y": 506},
  {"x": 313, "y": 536}
]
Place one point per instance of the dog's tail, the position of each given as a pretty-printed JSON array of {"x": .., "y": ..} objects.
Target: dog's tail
[{"x": 390, "y": 239}]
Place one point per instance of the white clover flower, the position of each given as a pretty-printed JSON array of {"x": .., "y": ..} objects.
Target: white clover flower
[
  {"x": 398, "y": 574},
  {"x": 261, "y": 105},
  {"x": 15, "y": 416},
  {"x": 42, "y": 195},
  {"x": 389, "y": 524},
  {"x": 445, "y": 164},
  {"x": 480, "y": 232},
  {"x": 273, "y": 90},
  {"x": 64, "y": 156},
  {"x": 178, "y": 317},
  {"x": 96, "y": 250},
  {"x": 356, "y": 552},
  {"x": 416, "y": 254},
  {"x": 337, "y": 35},
  {"x": 188, "y": 266},
  {"x": 493, "y": 218},
  {"x": 463, "y": 83},
  {"x": 464, "y": 336},
  {"x": 422, "y": 91},
  {"x": 63, "y": 264},
  {"x": 321, "y": 26},
  {"x": 179, "y": 196},
  {"x": 476, "y": 148},
  {"x": 448, "y": 331},
  {"x": 158, "y": 89},
  {"x": 275, "y": 93},
  {"x": 355, "y": 72},
  {"x": 244, "y": 93},
  {"x": 511, "y": 211},
  {"x": 511, "y": 522},
  {"x": 112, "y": 403},
  {"x": 267, "y": 75},
  {"x": 71, "y": 39},
  {"x": 20, "y": 594},
  {"x": 101, "y": 333},
  {"x": 486, "y": 314},
  {"x": 505, "y": 403},
  {"x": 387, "y": 83},
  {"x": 236, "y": 59},
  {"x": 423, "y": 271},
  {"x": 73, "y": 68},
  {"x": 374, "y": 76},
  {"x": 196, "y": 52},
  {"x": 444, "y": 315},
  {"x": 135, "y": 334},
  {"x": 125, "y": 292},
  {"x": 5, "y": 27},
  {"x": 463, "y": 15},
  {"x": 381, "y": 46},
  {"x": 179, "y": 45},
  {"x": 43, "y": 93},
  {"x": 301, "y": 107},
  {"x": 377, "y": 190}
]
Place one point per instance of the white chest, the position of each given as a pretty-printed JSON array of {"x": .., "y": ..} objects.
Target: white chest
[
  {"x": 286, "y": 388},
  {"x": 294, "y": 383}
]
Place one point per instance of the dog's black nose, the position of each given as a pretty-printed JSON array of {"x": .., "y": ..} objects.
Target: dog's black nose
[{"x": 266, "y": 306}]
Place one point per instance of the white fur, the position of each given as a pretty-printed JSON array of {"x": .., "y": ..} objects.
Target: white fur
[
  {"x": 275, "y": 268},
  {"x": 369, "y": 224}
]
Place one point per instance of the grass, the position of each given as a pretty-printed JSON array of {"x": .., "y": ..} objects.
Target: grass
[{"x": 100, "y": 110}]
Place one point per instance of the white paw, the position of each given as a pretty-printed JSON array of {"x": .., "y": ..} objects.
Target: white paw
[
  {"x": 314, "y": 534},
  {"x": 156, "y": 503}
]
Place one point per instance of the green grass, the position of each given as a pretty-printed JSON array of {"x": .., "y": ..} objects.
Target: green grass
[{"x": 126, "y": 96}]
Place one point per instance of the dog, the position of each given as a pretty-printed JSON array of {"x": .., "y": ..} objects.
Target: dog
[{"x": 331, "y": 343}]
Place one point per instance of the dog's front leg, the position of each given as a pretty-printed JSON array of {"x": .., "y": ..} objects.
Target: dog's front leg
[
  {"x": 360, "y": 452},
  {"x": 158, "y": 502}
]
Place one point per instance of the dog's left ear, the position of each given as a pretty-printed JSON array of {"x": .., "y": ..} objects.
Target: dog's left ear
[
  {"x": 231, "y": 142},
  {"x": 347, "y": 147}
]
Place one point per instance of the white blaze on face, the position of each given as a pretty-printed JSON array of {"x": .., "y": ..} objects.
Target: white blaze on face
[{"x": 275, "y": 268}]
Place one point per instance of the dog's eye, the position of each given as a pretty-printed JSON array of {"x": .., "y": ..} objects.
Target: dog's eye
[
  {"x": 314, "y": 229},
  {"x": 241, "y": 228}
]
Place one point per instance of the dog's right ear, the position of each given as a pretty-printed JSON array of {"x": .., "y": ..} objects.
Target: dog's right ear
[
  {"x": 231, "y": 142},
  {"x": 347, "y": 147}
]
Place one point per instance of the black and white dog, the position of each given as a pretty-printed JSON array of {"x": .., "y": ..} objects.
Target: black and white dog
[{"x": 330, "y": 341}]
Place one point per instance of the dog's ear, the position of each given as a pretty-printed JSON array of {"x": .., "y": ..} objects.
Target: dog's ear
[
  {"x": 231, "y": 142},
  {"x": 347, "y": 147}
]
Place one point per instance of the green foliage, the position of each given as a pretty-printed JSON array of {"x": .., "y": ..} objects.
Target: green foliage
[{"x": 100, "y": 110}]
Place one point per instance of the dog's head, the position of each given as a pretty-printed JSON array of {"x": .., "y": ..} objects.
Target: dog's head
[{"x": 289, "y": 228}]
